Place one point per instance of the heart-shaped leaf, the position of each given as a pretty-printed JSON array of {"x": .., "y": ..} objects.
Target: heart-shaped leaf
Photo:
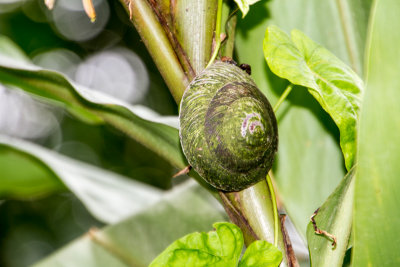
[
  {"x": 218, "y": 248},
  {"x": 221, "y": 247},
  {"x": 333, "y": 84}
]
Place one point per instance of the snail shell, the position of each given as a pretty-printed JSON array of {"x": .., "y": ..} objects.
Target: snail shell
[{"x": 228, "y": 129}]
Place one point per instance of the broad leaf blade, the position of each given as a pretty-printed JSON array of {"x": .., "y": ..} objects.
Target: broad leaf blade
[
  {"x": 34, "y": 179},
  {"x": 221, "y": 247},
  {"x": 94, "y": 107},
  {"x": 137, "y": 240},
  {"x": 7, "y": 47},
  {"x": 334, "y": 85},
  {"x": 260, "y": 253},
  {"x": 376, "y": 207},
  {"x": 335, "y": 217},
  {"x": 108, "y": 196}
]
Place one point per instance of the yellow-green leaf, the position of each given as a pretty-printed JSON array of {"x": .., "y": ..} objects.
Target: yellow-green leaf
[
  {"x": 218, "y": 248},
  {"x": 333, "y": 84},
  {"x": 260, "y": 253},
  {"x": 244, "y": 5}
]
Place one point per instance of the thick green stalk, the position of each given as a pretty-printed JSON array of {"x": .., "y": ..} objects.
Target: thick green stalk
[
  {"x": 230, "y": 19},
  {"x": 283, "y": 97},
  {"x": 217, "y": 35},
  {"x": 158, "y": 45},
  {"x": 252, "y": 210},
  {"x": 274, "y": 208},
  {"x": 193, "y": 23}
]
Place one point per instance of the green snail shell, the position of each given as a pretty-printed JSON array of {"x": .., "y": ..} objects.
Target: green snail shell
[{"x": 228, "y": 129}]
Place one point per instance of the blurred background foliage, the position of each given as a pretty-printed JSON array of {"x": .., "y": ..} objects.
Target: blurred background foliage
[{"x": 97, "y": 55}]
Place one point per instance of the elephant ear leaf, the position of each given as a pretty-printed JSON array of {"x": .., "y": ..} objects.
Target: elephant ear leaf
[{"x": 335, "y": 86}]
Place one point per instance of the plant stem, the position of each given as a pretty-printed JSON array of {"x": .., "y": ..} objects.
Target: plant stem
[
  {"x": 227, "y": 45},
  {"x": 158, "y": 45},
  {"x": 217, "y": 33},
  {"x": 165, "y": 19},
  {"x": 193, "y": 23},
  {"x": 252, "y": 209},
  {"x": 283, "y": 97},
  {"x": 275, "y": 209}
]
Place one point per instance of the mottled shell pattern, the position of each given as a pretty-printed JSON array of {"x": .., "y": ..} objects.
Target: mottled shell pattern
[{"x": 228, "y": 130}]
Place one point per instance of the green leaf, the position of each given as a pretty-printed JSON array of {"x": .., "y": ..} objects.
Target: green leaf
[
  {"x": 108, "y": 196},
  {"x": 333, "y": 84},
  {"x": 335, "y": 217},
  {"x": 7, "y": 47},
  {"x": 35, "y": 179},
  {"x": 376, "y": 207},
  {"x": 260, "y": 253},
  {"x": 221, "y": 247},
  {"x": 94, "y": 107},
  {"x": 244, "y": 5},
  {"x": 308, "y": 138},
  {"x": 137, "y": 240}
]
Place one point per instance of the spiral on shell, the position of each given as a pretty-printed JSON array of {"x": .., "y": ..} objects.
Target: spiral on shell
[{"x": 228, "y": 129}]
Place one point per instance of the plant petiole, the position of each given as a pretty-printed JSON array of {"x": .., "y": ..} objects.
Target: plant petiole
[
  {"x": 217, "y": 34},
  {"x": 283, "y": 97},
  {"x": 275, "y": 209}
]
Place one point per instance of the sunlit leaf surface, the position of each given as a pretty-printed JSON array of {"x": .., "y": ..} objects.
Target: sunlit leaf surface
[
  {"x": 261, "y": 253},
  {"x": 332, "y": 83},
  {"x": 218, "y": 248}
]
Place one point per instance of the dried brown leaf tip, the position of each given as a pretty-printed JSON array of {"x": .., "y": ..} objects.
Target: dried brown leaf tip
[
  {"x": 89, "y": 9},
  {"x": 130, "y": 6},
  {"x": 49, "y": 4},
  {"x": 322, "y": 232},
  {"x": 184, "y": 171}
]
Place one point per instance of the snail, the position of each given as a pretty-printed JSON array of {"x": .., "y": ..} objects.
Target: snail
[{"x": 228, "y": 129}]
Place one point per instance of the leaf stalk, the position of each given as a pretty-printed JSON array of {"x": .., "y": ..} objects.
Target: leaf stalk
[
  {"x": 217, "y": 34},
  {"x": 275, "y": 209},
  {"x": 283, "y": 97}
]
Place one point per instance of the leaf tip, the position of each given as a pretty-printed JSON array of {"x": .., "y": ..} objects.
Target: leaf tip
[
  {"x": 89, "y": 9},
  {"x": 49, "y": 4}
]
